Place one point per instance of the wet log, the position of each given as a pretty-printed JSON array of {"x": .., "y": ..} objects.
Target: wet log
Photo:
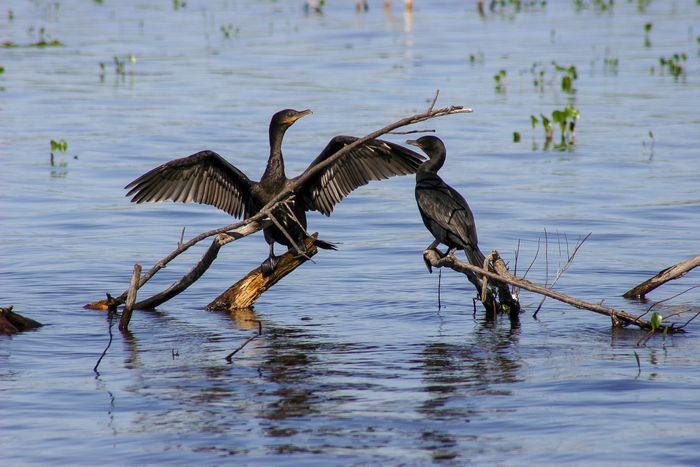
[
  {"x": 12, "y": 323},
  {"x": 619, "y": 318},
  {"x": 244, "y": 293},
  {"x": 130, "y": 299},
  {"x": 670, "y": 273}
]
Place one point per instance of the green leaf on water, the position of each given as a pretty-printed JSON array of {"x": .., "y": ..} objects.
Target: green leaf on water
[{"x": 655, "y": 321}]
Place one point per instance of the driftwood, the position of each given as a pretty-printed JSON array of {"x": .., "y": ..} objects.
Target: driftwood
[
  {"x": 254, "y": 223},
  {"x": 245, "y": 292},
  {"x": 130, "y": 299},
  {"x": 673, "y": 272},
  {"x": 186, "y": 280},
  {"x": 619, "y": 318},
  {"x": 12, "y": 323}
]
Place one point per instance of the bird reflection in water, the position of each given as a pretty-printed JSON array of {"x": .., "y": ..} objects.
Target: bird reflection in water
[{"x": 455, "y": 375}]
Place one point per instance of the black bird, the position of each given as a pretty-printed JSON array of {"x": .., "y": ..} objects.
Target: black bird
[
  {"x": 445, "y": 212},
  {"x": 206, "y": 177}
]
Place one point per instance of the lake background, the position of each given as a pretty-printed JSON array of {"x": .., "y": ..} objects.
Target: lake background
[{"x": 356, "y": 364}]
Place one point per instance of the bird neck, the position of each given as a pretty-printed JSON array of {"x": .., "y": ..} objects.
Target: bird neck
[
  {"x": 275, "y": 164},
  {"x": 433, "y": 164}
]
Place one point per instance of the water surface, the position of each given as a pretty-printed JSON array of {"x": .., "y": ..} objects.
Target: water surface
[{"x": 356, "y": 364}]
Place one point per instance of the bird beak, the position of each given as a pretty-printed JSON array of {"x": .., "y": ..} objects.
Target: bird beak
[
  {"x": 303, "y": 113},
  {"x": 412, "y": 142}
]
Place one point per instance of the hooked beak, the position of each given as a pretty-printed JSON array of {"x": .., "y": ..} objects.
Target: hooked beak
[{"x": 303, "y": 113}]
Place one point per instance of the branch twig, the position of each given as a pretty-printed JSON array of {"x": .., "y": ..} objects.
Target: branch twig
[
  {"x": 668, "y": 274},
  {"x": 617, "y": 316}
]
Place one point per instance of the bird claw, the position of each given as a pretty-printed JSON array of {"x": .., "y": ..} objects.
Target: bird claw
[{"x": 269, "y": 265}]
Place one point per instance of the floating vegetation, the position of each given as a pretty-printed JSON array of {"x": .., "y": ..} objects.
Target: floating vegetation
[
  {"x": 516, "y": 136},
  {"x": 570, "y": 75},
  {"x": 119, "y": 66},
  {"x": 177, "y": 4},
  {"x": 230, "y": 31},
  {"x": 479, "y": 57},
  {"x": 602, "y": 5},
  {"x": 565, "y": 118},
  {"x": 610, "y": 64},
  {"x": 500, "y": 79},
  {"x": 60, "y": 146},
  {"x": 10, "y": 15},
  {"x": 2, "y": 69},
  {"x": 510, "y": 6},
  {"x": 539, "y": 72},
  {"x": 647, "y": 30},
  {"x": 674, "y": 64},
  {"x": 44, "y": 41}
]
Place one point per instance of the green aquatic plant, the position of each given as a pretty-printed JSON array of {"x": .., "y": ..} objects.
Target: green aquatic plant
[
  {"x": 60, "y": 146},
  {"x": 516, "y": 136},
  {"x": 567, "y": 80},
  {"x": 567, "y": 123},
  {"x": 500, "y": 79},
  {"x": 230, "y": 31},
  {"x": 120, "y": 64},
  {"x": 610, "y": 64},
  {"x": 647, "y": 30},
  {"x": 674, "y": 64},
  {"x": 655, "y": 321},
  {"x": 10, "y": 15},
  {"x": 565, "y": 118}
]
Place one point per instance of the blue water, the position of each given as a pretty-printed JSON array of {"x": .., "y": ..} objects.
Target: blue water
[{"x": 356, "y": 364}]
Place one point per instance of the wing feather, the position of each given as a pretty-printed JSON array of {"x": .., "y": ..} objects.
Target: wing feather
[
  {"x": 374, "y": 160},
  {"x": 204, "y": 177}
]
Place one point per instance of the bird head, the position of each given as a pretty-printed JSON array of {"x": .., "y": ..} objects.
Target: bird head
[
  {"x": 429, "y": 144},
  {"x": 285, "y": 118}
]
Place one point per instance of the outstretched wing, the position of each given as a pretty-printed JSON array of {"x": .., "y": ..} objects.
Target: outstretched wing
[
  {"x": 204, "y": 177},
  {"x": 373, "y": 160}
]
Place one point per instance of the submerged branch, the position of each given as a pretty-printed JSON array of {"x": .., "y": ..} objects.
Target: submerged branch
[
  {"x": 668, "y": 274},
  {"x": 245, "y": 292},
  {"x": 619, "y": 318}
]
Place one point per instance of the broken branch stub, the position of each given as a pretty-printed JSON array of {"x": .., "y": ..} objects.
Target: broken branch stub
[
  {"x": 673, "y": 272},
  {"x": 245, "y": 292},
  {"x": 619, "y": 318}
]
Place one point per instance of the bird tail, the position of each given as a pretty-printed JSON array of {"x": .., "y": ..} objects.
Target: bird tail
[
  {"x": 475, "y": 256},
  {"x": 324, "y": 244}
]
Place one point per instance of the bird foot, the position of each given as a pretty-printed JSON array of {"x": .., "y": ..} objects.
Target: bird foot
[
  {"x": 269, "y": 265},
  {"x": 425, "y": 259}
]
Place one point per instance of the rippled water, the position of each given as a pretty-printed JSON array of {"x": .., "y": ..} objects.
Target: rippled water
[{"x": 356, "y": 364}]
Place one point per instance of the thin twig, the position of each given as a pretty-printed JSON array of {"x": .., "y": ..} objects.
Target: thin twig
[
  {"x": 432, "y": 104},
  {"x": 229, "y": 357},
  {"x": 562, "y": 269},
  {"x": 653, "y": 305},
  {"x": 537, "y": 253},
  {"x": 281, "y": 228},
  {"x": 409, "y": 132},
  {"x": 110, "y": 317},
  {"x": 618, "y": 316}
]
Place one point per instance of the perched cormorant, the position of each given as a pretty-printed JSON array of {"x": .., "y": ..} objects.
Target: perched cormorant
[
  {"x": 445, "y": 212},
  {"x": 206, "y": 177}
]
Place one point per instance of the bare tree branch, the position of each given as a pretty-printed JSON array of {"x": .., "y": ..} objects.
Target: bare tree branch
[
  {"x": 619, "y": 318},
  {"x": 254, "y": 223},
  {"x": 668, "y": 274}
]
